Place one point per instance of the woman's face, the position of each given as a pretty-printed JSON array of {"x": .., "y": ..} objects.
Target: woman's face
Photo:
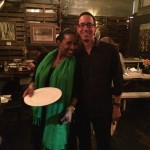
[{"x": 68, "y": 45}]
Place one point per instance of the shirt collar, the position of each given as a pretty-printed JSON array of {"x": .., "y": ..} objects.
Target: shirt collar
[{"x": 81, "y": 46}]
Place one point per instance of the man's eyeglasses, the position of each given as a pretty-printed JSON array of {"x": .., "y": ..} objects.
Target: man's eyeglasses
[{"x": 89, "y": 25}]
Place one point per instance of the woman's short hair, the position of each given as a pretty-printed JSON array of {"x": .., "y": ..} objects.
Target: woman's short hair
[{"x": 60, "y": 37}]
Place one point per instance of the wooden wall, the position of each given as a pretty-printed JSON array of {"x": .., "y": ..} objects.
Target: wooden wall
[
  {"x": 10, "y": 49},
  {"x": 116, "y": 27}
]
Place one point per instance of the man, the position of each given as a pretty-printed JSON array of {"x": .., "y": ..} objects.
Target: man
[{"x": 98, "y": 65}]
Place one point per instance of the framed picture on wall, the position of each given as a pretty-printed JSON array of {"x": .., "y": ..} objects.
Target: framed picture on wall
[
  {"x": 7, "y": 31},
  {"x": 43, "y": 33},
  {"x": 144, "y": 37}
]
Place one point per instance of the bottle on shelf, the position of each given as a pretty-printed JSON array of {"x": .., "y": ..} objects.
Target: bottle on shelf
[{"x": 5, "y": 66}]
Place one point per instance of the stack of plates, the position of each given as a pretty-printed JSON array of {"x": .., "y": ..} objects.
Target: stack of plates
[{"x": 12, "y": 65}]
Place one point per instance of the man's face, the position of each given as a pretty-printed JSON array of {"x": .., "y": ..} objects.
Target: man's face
[
  {"x": 68, "y": 45},
  {"x": 86, "y": 28}
]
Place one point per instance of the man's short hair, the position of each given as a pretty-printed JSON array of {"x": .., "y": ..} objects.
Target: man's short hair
[{"x": 88, "y": 14}]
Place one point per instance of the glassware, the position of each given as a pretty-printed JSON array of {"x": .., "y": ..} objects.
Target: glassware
[
  {"x": 128, "y": 70},
  {"x": 5, "y": 66}
]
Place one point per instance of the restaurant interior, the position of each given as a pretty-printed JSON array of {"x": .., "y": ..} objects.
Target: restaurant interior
[{"x": 127, "y": 22}]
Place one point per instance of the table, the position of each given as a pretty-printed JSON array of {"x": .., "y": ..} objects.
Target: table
[
  {"x": 14, "y": 73},
  {"x": 23, "y": 77},
  {"x": 130, "y": 94},
  {"x": 136, "y": 75},
  {"x": 135, "y": 95},
  {"x": 14, "y": 77},
  {"x": 133, "y": 60}
]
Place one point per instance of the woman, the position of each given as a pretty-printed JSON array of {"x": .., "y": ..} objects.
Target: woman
[{"x": 56, "y": 70}]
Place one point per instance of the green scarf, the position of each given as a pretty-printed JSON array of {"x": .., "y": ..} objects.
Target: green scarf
[{"x": 55, "y": 136}]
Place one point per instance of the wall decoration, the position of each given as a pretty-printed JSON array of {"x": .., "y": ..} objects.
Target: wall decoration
[
  {"x": 43, "y": 33},
  {"x": 144, "y": 37},
  {"x": 7, "y": 31}
]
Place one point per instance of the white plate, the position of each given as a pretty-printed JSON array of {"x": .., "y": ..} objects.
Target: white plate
[
  {"x": 17, "y": 60},
  {"x": 12, "y": 64},
  {"x": 43, "y": 96},
  {"x": 5, "y": 98},
  {"x": 29, "y": 61}
]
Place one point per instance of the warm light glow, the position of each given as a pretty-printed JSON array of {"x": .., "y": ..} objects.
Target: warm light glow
[
  {"x": 131, "y": 17},
  {"x": 33, "y": 10},
  {"x": 49, "y": 11},
  {"x": 2, "y": 3},
  {"x": 93, "y": 12}
]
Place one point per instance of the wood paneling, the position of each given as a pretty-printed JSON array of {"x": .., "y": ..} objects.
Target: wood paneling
[
  {"x": 41, "y": 17},
  {"x": 13, "y": 50},
  {"x": 22, "y": 20}
]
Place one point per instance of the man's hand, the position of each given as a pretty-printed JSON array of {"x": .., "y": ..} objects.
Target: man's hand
[
  {"x": 116, "y": 99},
  {"x": 116, "y": 108},
  {"x": 116, "y": 114}
]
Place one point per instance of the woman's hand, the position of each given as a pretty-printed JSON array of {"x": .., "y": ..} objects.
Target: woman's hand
[
  {"x": 30, "y": 90},
  {"x": 68, "y": 115}
]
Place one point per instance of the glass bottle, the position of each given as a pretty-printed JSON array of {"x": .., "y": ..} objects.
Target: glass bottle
[{"x": 5, "y": 66}]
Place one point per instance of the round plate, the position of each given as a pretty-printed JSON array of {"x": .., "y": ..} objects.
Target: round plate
[
  {"x": 4, "y": 100},
  {"x": 43, "y": 96}
]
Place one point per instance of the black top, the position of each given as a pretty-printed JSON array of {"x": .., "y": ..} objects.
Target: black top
[
  {"x": 93, "y": 78},
  {"x": 39, "y": 60}
]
